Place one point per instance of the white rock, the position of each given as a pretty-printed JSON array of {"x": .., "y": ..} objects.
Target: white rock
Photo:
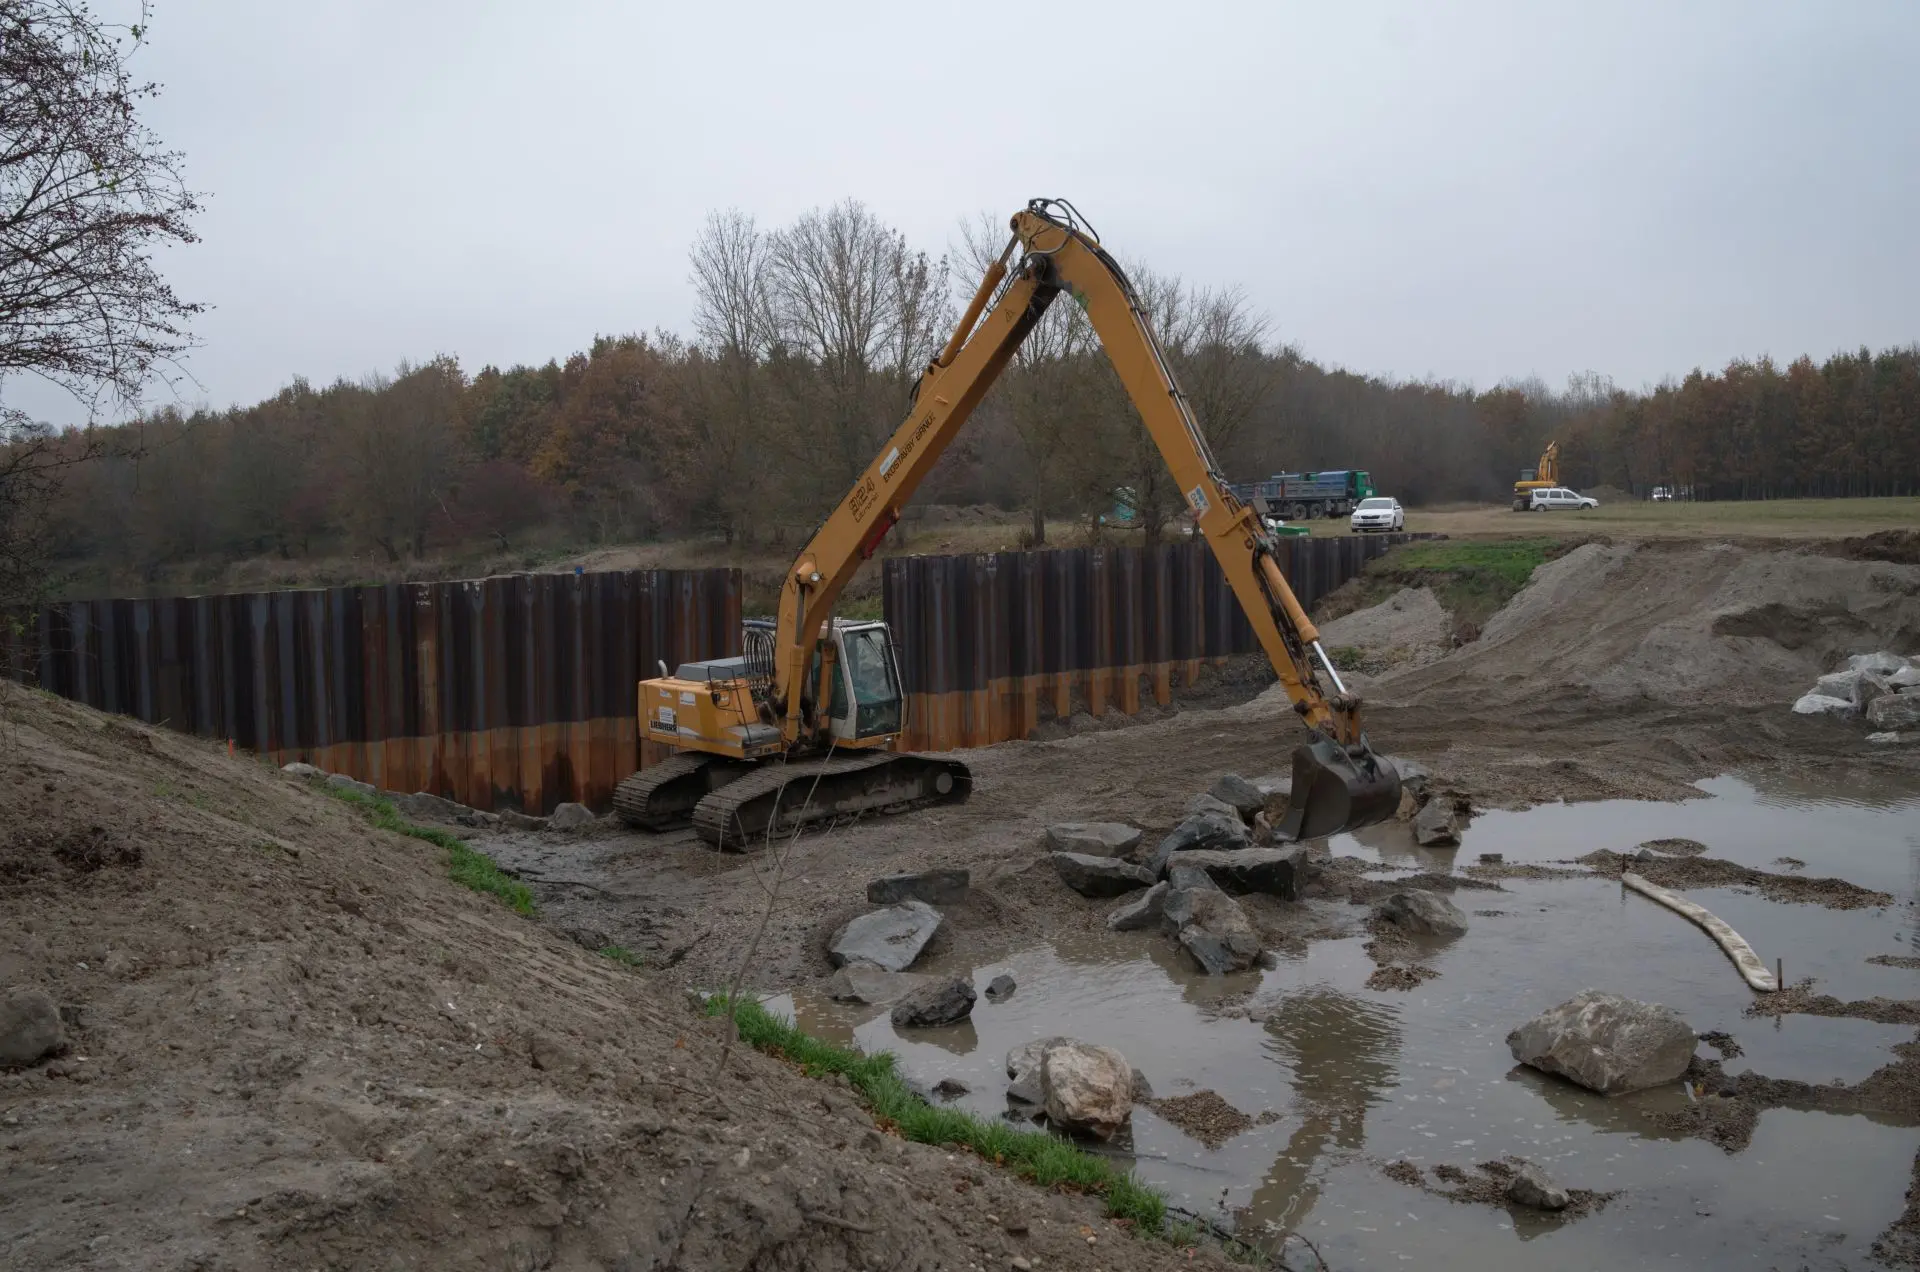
[
  {"x": 1880, "y": 663},
  {"x": 299, "y": 769},
  {"x": 1086, "y": 1088},
  {"x": 1606, "y": 1042},
  {"x": 1905, "y": 679},
  {"x": 1883, "y": 738},
  {"x": 1838, "y": 684},
  {"x": 1821, "y": 704}
]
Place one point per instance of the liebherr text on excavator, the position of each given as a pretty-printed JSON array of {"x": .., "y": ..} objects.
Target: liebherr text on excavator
[{"x": 800, "y": 727}]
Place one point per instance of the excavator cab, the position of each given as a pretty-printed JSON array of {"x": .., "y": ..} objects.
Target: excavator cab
[{"x": 864, "y": 704}]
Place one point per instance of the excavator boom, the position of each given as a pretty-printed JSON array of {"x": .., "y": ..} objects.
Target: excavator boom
[{"x": 1339, "y": 783}]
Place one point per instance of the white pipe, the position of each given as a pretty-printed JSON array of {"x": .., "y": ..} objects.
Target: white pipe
[{"x": 1751, "y": 968}]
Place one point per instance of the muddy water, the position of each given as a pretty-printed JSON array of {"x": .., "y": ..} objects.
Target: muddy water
[{"x": 1357, "y": 1078}]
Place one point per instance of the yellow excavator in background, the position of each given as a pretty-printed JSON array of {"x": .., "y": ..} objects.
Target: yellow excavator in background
[
  {"x": 800, "y": 727},
  {"x": 1544, "y": 477}
]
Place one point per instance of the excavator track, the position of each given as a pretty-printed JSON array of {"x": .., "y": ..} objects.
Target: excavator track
[
  {"x": 663, "y": 797},
  {"x": 736, "y": 818}
]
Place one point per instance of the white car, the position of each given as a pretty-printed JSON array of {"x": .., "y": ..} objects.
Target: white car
[
  {"x": 1559, "y": 498},
  {"x": 1378, "y": 513}
]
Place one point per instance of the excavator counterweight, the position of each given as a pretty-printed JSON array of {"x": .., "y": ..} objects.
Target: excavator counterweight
[{"x": 801, "y": 727}]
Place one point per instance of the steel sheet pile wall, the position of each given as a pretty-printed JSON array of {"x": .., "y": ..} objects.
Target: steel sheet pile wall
[
  {"x": 992, "y": 645},
  {"x": 515, "y": 691}
]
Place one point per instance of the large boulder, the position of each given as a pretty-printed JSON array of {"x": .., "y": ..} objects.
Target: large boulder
[
  {"x": 341, "y": 782},
  {"x": 1821, "y": 704},
  {"x": 1023, "y": 1069},
  {"x": 30, "y": 1027},
  {"x": 1531, "y": 1187},
  {"x": 1881, "y": 663},
  {"x": 1871, "y": 689},
  {"x": 891, "y": 938},
  {"x": 1086, "y": 1089},
  {"x": 1437, "y": 824},
  {"x": 1213, "y": 830},
  {"x": 1212, "y": 927},
  {"x": 1144, "y": 913},
  {"x": 1839, "y": 684},
  {"x": 1239, "y": 794},
  {"x": 935, "y": 887},
  {"x": 1413, "y": 775},
  {"x": 299, "y": 769},
  {"x": 1185, "y": 875},
  {"x": 1210, "y": 803},
  {"x": 570, "y": 816},
  {"x": 1100, "y": 876},
  {"x": 1423, "y": 914},
  {"x": 1275, "y": 871},
  {"x": 1094, "y": 839},
  {"x": 1905, "y": 680},
  {"x": 1895, "y": 711},
  {"x": 1606, "y": 1043},
  {"x": 874, "y": 986},
  {"x": 941, "y": 1003}
]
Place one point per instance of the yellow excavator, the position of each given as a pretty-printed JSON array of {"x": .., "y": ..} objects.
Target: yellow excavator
[
  {"x": 1545, "y": 477},
  {"x": 800, "y": 727}
]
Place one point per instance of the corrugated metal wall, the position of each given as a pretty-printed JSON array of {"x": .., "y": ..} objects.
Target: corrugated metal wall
[
  {"x": 993, "y": 645},
  {"x": 519, "y": 691},
  {"x": 514, "y": 691}
]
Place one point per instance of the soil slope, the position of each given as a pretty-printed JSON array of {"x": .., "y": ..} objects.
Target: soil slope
[{"x": 296, "y": 1044}]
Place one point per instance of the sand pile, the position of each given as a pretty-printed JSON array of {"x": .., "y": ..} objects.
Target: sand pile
[{"x": 1686, "y": 624}]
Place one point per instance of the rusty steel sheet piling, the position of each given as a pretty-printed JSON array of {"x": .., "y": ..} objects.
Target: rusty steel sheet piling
[
  {"x": 515, "y": 691},
  {"x": 519, "y": 691},
  {"x": 995, "y": 644}
]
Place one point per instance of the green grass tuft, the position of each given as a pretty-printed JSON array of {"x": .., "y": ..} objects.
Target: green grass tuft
[
  {"x": 621, "y": 954},
  {"x": 464, "y": 865},
  {"x": 1510, "y": 562},
  {"x": 1045, "y": 1159}
]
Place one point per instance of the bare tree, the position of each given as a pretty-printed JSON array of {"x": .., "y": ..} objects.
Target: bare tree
[
  {"x": 87, "y": 193},
  {"x": 729, "y": 416},
  {"x": 861, "y": 311}
]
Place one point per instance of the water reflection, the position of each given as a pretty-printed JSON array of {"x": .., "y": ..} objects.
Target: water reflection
[{"x": 1343, "y": 1053}]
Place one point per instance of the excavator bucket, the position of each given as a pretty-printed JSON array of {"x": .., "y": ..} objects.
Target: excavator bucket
[{"x": 1336, "y": 790}]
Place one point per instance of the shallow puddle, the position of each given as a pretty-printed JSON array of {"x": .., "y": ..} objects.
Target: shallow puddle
[{"x": 1355, "y": 1078}]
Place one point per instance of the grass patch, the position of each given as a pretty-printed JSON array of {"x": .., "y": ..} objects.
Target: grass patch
[
  {"x": 464, "y": 866},
  {"x": 621, "y": 954},
  {"x": 1471, "y": 578},
  {"x": 1044, "y": 1159}
]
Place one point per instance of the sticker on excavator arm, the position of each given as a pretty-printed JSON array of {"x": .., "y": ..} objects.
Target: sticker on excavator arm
[
  {"x": 1197, "y": 500},
  {"x": 886, "y": 465}
]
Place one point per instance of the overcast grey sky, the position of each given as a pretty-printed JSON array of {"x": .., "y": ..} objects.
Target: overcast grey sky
[{"x": 1476, "y": 191}]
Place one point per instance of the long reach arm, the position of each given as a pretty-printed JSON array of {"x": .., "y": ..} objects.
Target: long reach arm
[{"x": 1338, "y": 781}]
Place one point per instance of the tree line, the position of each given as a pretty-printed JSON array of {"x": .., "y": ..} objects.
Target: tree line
[{"x": 805, "y": 343}]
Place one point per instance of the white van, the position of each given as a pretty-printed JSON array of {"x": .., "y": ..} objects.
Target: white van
[{"x": 1557, "y": 498}]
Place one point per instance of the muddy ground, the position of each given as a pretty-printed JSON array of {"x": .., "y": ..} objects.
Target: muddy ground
[
  {"x": 1623, "y": 671},
  {"x": 295, "y": 1044}
]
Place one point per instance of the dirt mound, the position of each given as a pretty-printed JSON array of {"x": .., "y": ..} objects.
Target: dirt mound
[
  {"x": 1408, "y": 629},
  {"x": 1900, "y": 546},
  {"x": 1683, "y": 624},
  {"x": 295, "y": 1043}
]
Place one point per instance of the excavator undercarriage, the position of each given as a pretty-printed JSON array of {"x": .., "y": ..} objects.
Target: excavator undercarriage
[{"x": 737, "y": 805}]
